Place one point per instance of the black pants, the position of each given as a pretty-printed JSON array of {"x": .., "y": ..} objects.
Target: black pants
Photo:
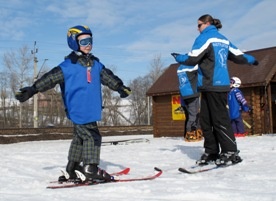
[{"x": 215, "y": 123}]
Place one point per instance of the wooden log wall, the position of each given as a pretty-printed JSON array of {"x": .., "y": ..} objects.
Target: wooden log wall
[
  {"x": 256, "y": 99},
  {"x": 163, "y": 123},
  {"x": 8, "y": 136},
  {"x": 255, "y": 96}
]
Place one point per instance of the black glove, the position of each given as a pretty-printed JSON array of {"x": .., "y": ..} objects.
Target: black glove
[
  {"x": 255, "y": 63},
  {"x": 250, "y": 110},
  {"x": 174, "y": 54},
  {"x": 124, "y": 91},
  {"x": 25, "y": 93}
]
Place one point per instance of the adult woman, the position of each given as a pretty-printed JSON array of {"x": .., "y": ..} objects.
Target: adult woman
[{"x": 210, "y": 51}]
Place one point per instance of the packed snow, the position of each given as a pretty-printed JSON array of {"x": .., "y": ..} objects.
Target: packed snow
[{"x": 28, "y": 167}]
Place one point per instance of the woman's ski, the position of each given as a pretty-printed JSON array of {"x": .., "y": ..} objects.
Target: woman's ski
[{"x": 200, "y": 169}]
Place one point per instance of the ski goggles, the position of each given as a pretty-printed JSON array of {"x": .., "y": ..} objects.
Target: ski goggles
[{"x": 86, "y": 41}]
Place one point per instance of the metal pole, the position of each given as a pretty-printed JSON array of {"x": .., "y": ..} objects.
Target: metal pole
[
  {"x": 35, "y": 96},
  {"x": 148, "y": 110}
]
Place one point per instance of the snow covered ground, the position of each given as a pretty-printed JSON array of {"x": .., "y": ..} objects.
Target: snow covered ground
[{"x": 26, "y": 169}]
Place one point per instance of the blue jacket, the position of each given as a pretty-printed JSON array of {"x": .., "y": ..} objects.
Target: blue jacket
[
  {"x": 187, "y": 77},
  {"x": 210, "y": 51},
  {"x": 82, "y": 99},
  {"x": 236, "y": 103}
]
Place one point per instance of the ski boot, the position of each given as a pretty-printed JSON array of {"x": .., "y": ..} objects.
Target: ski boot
[
  {"x": 199, "y": 134},
  {"x": 69, "y": 174},
  {"x": 93, "y": 173},
  {"x": 191, "y": 136},
  {"x": 240, "y": 134},
  {"x": 194, "y": 135},
  {"x": 206, "y": 158},
  {"x": 228, "y": 157}
]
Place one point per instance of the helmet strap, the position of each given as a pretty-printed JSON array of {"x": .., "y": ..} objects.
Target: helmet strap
[{"x": 79, "y": 53}]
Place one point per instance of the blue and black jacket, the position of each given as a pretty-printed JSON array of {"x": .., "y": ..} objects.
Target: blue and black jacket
[
  {"x": 210, "y": 51},
  {"x": 187, "y": 77}
]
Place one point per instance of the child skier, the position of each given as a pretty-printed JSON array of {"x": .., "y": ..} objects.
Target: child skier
[
  {"x": 187, "y": 76},
  {"x": 237, "y": 104},
  {"x": 80, "y": 77}
]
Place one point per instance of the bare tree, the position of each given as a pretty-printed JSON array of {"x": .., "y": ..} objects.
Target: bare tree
[
  {"x": 157, "y": 68},
  {"x": 115, "y": 112},
  {"x": 18, "y": 64},
  {"x": 3, "y": 100},
  {"x": 140, "y": 103},
  {"x": 110, "y": 105},
  {"x": 138, "y": 99}
]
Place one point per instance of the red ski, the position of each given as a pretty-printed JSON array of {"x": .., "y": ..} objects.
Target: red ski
[
  {"x": 116, "y": 180},
  {"x": 158, "y": 173}
]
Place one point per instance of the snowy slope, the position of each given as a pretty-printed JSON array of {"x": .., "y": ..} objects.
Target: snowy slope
[{"x": 26, "y": 169}]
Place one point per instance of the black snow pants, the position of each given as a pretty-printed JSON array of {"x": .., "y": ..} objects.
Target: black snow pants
[{"x": 215, "y": 123}]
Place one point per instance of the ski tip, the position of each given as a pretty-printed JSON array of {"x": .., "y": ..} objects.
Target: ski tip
[
  {"x": 127, "y": 170},
  {"x": 183, "y": 170},
  {"x": 157, "y": 169}
]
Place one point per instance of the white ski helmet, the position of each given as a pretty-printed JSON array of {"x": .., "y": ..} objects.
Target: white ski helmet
[{"x": 235, "y": 82}]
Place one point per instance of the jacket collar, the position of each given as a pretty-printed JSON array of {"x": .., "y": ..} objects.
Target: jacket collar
[{"x": 209, "y": 28}]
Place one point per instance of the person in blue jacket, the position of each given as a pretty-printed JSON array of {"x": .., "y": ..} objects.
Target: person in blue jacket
[
  {"x": 80, "y": 77},
  {"x": 237, "y": 104},
  {"x": 187, "y": 77},
  {"x": 210, "y": 52}
]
